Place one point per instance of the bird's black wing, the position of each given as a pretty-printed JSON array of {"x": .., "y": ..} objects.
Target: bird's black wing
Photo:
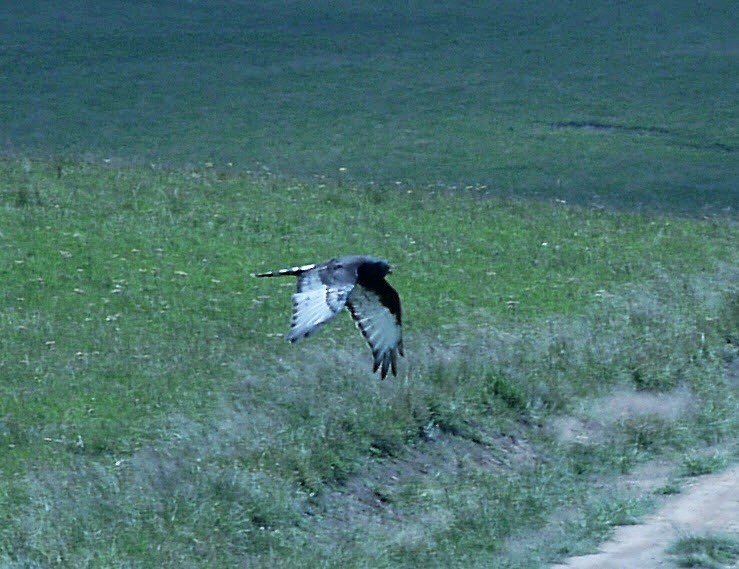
[{"x": 375, "y": 307}]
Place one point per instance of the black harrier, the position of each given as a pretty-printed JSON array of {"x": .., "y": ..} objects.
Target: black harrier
[{"x": 357, "y": 281}]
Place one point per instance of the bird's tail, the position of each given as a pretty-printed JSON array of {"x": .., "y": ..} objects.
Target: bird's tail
[{"x": 292, "y": 271}]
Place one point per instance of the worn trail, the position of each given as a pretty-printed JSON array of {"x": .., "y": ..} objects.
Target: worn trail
[{"x": 709, "y": 504}]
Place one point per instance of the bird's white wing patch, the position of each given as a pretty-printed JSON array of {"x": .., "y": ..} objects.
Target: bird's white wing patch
[
  {"x": 380, "y": 327},
  {"x": 310, "y": 279},
  {"x": 313, "y": 308}
]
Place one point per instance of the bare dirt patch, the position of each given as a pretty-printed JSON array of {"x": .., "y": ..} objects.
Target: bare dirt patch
[
  {"x": 440, "y": 453},
  {"x": 596, "y": 421}
]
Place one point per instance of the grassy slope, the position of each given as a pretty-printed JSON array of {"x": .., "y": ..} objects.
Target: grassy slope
[{"x": 150, "y": 413}]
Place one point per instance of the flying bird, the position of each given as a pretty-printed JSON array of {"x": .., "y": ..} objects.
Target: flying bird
[{"x": 357, "y": 282}]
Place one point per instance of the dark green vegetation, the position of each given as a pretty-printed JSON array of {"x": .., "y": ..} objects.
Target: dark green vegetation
[
  {"x": 609, "y": 104},
  {"x": 151, "y": 415},
  {"x": 706, "y": 552}
]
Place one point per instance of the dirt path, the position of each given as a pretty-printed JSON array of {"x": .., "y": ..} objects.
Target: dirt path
[{"x": 708, "y": 504}]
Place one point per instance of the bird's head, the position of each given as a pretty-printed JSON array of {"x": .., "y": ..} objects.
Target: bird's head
[
  {"x": 380, "y": 266},
  {"x": 369, "y": 265}
]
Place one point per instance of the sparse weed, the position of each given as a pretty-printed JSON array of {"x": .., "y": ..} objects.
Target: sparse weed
[
  {"x": 669, "y": 489},
  {"x": 706, "y": 551},
  {"x": 701, "y": 463}
]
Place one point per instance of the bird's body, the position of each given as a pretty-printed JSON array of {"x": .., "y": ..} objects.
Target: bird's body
[{"x": 357, "y": 282}]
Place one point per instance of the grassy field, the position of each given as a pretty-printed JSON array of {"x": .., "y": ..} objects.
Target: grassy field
[
  {"x": 155, "y": 156},
  {"x": 625, "y": 106},
  {"x": 151, "y": 414}
]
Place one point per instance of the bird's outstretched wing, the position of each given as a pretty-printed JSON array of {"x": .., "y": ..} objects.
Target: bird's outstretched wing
[
  {"x": 376, "y": 311},
  {"x": 313, "y": 307}
]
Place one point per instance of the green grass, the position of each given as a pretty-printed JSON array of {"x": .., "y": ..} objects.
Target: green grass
[
  {"x": 701, "y": 463},
  {"x": 706, "y": 551},
  {"x": 592, "y": 104},
  {"x": 151, "y": 414}
]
